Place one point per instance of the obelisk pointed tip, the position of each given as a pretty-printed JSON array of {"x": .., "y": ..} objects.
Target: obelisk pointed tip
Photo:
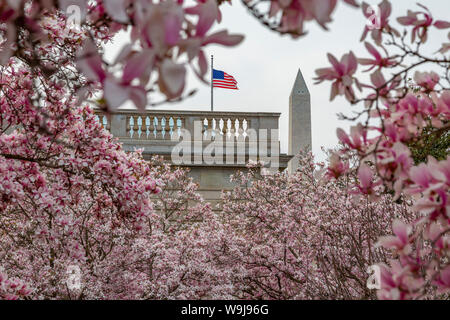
[{"x": 300, "y": 86}]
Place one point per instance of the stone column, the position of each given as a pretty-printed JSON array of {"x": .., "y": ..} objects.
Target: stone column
[{"x": 119, "y": 125}]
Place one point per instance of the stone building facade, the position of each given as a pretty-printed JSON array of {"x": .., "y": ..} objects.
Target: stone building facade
[{"x": 213, "y": 145}]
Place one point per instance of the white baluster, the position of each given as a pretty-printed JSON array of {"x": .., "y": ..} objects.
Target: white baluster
[
  {"x": 147, "y": 126},
  {"x": 131, "y": 126},
  {"x": 139, "y": 125}
]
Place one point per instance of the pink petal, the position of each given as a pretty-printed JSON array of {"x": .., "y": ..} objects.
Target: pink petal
[
  {"x": 337, "y": 66},
  {"x": 172, "y": 25},
  {"x": 223, "y": 38},
  {"x": 420, "y": 175},
  {"x": 342, "y": 136},
  {"x": 334, "y": 90},
  {"x": 351, "y": 62},
  {"x": 401, "y": 230},
  {"x": 15, "y": 4},
  {"x": 440, "y": 24},
  {"x": 386, "y": 277},
  {"x": 116, "y": 9},
  {"x": 138, "y": 95},
  {"x": 173, "y": 77},
  {"x": 385, "y": 9},
  {"x": 274, "y": 8},
  {"x": 137, "y": 64},
  {"x": 407, "y": 20},
  {"x": 115, "y": 94},
  {"x": 365, "y": 176},
  {"x": 322, "y": 10},
  {"x": 326, "y": 73},
  {"x": 445, "y": 276},
  {"x": 90, "y": 63},
  {"x": 284, "y": 3},
  {"x": 377, "y": 79},
  {"x": 207, "y": 14},
  {"x": 372, "y": 51},
  {"x": 125, "y": 51}
]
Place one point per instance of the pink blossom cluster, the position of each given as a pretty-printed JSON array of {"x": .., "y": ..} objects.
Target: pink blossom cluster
[
  {"x": 166, "y": 37},
  {"x": 135, "y": 229},
  {"x": 70, "y": 196},
  {"x": 289, "y": 16},
  {"x": 303, "y": 236},
  {"x": 400, "y": 111},
  {"x": 12, "y": 289},
  {"x": 65, "y": 186}
]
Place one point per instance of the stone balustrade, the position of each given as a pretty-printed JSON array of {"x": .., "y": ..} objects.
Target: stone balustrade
[
  {"x": 158, "y": 131},
  {"x": 167, "y": 125}
]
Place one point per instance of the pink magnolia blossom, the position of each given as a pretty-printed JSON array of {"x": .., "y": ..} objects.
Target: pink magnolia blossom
[
  {"x": 443, "y": 280},
  {"x": 421, "y": 20},
  {"x": 427, "y": 80},
  {"x": 382, "y": 17},
  {"x": 82, "y": 201},
  {"x": 357, "y": 138},
  {"x": 12, "y": 289},
  {"x": 207, "y": 12},
  {"x": 399, "y": 118},
  {"x": 341, "y": 73},
  {"x": 336, "y": 167},
  {"x": 366, "y": 180},
  {"x": 290, "y": 16},
  {"x": 400, "y": 242},
  {"x": 397, "y": 283},
  {"x": 378, "y": 60}
]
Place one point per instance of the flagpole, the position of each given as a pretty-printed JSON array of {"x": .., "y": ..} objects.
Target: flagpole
[{"x": 212, "y": 73}]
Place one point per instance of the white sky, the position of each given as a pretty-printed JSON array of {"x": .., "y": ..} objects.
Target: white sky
[{"x": 265, "y": 66}]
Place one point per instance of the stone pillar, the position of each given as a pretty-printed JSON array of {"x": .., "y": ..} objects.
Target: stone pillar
[
  {"x": 119, "y": 125},
  {"x": 299, "y": 120}
]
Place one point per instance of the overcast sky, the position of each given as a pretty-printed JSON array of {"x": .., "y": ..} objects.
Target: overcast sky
[{"x": 265, "y": 66}]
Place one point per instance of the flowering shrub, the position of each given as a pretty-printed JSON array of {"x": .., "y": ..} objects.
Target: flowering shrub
[
  {"x": 64, "y": 189},
  {"x": 124, "y": 247},
  {"x": 303, "y": 236},
  {"x": 402, "y": 113},
  {"x": 12, "y": 289},
  {"x": 71, "y": 197}
]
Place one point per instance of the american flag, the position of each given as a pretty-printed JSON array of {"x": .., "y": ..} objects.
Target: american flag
[{"x": 223, "y": 80}]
